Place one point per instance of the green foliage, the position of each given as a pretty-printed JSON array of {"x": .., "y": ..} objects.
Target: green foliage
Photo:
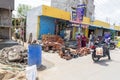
[
  {"x": 22, "y": 10},
  {"x": 15, "y": 22}
]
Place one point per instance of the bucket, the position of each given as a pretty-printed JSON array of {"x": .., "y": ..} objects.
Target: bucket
[{"x": 34, "y": 55}]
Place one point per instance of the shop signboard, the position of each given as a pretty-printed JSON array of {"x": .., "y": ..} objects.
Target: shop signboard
[{"x": 77, "y": 15}]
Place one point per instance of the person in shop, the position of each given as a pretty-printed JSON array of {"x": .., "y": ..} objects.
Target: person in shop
[
  {"x": 84, "y": 40},
  {"x": 22, "y": 34},
  {"x": 79, "y": 39},
  {"x": 17, "y": 33},
  {"x": 91, "y": 39},
  {"x": 67, "y": 34},
  {"x": 62, "y": 33}
]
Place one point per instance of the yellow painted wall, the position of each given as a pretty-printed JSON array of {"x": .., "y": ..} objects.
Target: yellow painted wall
[
  {"x": 117, "y": 27},
  {"x": 86, "y": 32},
  {"x": 56, "y": 13},
  {"x": 101, "y": 23},
  {"x": 74, "y": 33},
  {"x": 86, "y": 20}
]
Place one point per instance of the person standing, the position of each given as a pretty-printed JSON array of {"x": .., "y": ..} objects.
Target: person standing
[
  {"x": 22, "y": 34},
  {"x": 91, "y": 39},
  {"x": 17, "y": 33},
  {"x": 107, "y": 37},
  {"x": 84, "y": 40},
  {"x": 79, "y": 38}
]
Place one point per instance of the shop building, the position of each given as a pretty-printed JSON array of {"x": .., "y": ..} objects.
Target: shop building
[
  {"x": 117, "y": 29},
  {"x": 46, "y": 20},
  {"x": 49, "y": 20}
]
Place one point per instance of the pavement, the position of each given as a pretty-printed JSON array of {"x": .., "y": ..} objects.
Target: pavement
[{"x": 82, "y": 68}]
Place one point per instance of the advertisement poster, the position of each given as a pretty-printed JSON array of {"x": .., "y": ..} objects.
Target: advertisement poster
[{"x": 78, "y": 14}]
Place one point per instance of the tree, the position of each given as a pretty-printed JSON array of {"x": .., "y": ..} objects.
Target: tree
[
  {"x": 15, "y": 22},
  {"x": 22, "y": 14},
  {"x": 22, "y": 10}
]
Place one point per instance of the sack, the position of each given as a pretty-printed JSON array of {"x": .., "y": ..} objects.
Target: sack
[
  {"x": 31, "y": 72},
  {"x": 99, "y": 51}
]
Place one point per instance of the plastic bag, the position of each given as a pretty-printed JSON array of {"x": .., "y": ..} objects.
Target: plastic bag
[{"x": 31, "y": 72}]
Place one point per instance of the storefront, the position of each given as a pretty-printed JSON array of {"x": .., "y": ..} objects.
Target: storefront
[
  {"x": 117, "y": 28},
  {"x": 118, "y": 33},
  {"x": 53, "y": 26},
  {"x": 111, "y": 31},
  {"x": 84, "y": 28},
  {"x": 61, "y": 26},
  {"x": 46, "y": 20},
  {"x": 78, "y": 28}
]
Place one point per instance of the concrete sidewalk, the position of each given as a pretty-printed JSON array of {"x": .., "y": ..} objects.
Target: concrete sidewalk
[{"x": 82, "y": 68}]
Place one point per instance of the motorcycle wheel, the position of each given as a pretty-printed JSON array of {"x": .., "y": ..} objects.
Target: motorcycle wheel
[
  {"x": 112, "y": 47},
  {"x": 95, "y": 59}
]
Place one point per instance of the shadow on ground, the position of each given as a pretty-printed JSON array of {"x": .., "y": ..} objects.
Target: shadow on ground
[
  {"x": 104, "y": 62},
  {"x": 42, "y": 68},
  {"x": 45, "y": 65}
]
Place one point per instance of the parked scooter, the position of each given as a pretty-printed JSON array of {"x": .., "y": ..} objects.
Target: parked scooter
[
  {"x": 112, "y": 45},
  {"x": 100, "y": 50}
]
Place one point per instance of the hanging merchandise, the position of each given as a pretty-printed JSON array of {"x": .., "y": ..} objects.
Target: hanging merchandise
[
  {"x": 84, "y": 26},
  {"x": 79, "y": 28}
]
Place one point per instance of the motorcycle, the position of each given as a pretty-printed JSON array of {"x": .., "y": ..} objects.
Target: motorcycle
[
  {"x": 112, "y": 45},
  {"x": 100, "y": 50}
]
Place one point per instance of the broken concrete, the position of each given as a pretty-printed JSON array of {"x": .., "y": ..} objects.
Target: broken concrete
[{"x": 14, "y": 56}]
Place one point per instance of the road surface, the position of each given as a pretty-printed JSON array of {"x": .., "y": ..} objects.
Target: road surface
[{"x": 82, "y": 68}]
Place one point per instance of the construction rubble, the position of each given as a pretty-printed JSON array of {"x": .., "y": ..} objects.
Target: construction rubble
[
  {"x": 10, "y": 73},
  {"x": 14, "y": 56},
  {"x": 56, "y": 43},
  {"x": 13, "y": 61}
]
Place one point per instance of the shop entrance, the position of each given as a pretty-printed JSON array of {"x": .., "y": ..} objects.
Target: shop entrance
[
  {"x": 90, "y": 30},
  {"x": 60, "y": 28},
  {"x": 118, "y": 33}
]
